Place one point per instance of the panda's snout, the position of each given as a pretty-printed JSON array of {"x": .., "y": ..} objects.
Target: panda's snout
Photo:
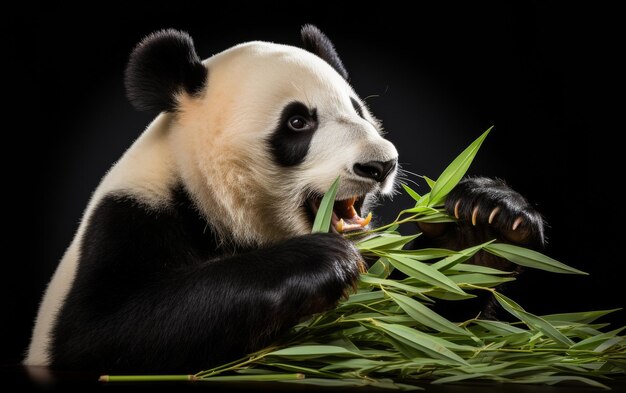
[{"x": 376, "y": 170}]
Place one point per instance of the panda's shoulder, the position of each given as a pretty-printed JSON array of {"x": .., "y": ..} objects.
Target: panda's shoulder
[{"x": 124, "y": 222}]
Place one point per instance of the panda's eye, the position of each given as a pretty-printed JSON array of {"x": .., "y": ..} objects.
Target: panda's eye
[{"x": 298, "y": 123}]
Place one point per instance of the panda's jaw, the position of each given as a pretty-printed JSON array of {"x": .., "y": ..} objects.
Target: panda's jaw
[{"x": 346, "y": 215}]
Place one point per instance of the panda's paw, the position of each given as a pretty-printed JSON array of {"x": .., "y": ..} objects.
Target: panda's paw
[
  {"x": 488, "y": 208},
  {"x": 331, "y": 266}
]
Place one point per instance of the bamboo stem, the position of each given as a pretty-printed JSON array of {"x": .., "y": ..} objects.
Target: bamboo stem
[
  {"x": 265, "y": 378},
  {"x": 145, "y": 378}
]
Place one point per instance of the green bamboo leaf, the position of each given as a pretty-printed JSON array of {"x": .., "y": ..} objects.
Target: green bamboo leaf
[
  {"x": 580, "y": 317},
  {"x": 422, "y": 254},
  {"x": 455, "y": 171},
  {"x": 594, "y": 341},
  {"x": 325, "y": 211},
  {"x": 477, "y": 269},
  {"x": 384, "y": 241},
  {"x": 381, "y": 269},
  {"x": 312, "y": 351},
  {"x": 395, "y": 284},
  {"x": 479, "y": 279},
  {"x": 459, "y": 257},
  {"x": 532, "y": 321},
  {"x": 435, "y": 218},
  {"x": 554, "y": 379},
  {"x": 426, "y": 316},
  {"x": 364, "y": 298},
  {"x": 420, "y": 341},
  {"x": 429, "y": 181},
  {"x": 500, "y": 328},
  {"x": 529, "y": 258},
  {"x": 611, "y": 342},
  {"x": 411, "y": 192},
  {"x": 423, "y": 201},
  {"x": 423, "y": 272},
  {"x": 446, "y": 295},
  {"x": 420, "y": 209},
  {"x": 354, "y": 364},
  {"x": 458, "y": 378}
]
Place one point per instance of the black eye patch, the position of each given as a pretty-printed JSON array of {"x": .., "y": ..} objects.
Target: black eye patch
[
  {"x": 289, "y": 147},
  {"x": 357, "y": 107}
]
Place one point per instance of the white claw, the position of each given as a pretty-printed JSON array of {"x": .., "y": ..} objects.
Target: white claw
[
  {"x": 456, "y": 209},
  {"x": 493, "y": 214},
  {"x": 474, "y": 215},
  {"x": 517, "y": 222}
]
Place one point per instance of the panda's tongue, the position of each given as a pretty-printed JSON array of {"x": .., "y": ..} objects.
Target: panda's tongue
[{"x": 345, "y": 217}]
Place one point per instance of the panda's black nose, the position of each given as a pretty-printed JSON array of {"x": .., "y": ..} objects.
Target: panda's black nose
[{"x": 377, "y": 170}]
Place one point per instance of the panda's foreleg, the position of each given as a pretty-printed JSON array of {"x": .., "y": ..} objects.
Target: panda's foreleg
[{"x": 191, "y": 317}]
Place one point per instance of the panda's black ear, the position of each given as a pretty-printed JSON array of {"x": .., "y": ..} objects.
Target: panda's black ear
[
  {"x": 319, "y": 44},
  {"x": 162, "y": 66}
]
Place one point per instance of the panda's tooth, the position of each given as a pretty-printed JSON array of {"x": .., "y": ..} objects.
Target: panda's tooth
[
  {"x": 339, "y": 226},
  {"x": 367, "y": 220}
]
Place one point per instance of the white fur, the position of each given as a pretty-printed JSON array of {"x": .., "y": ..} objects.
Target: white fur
[
  {"x": 145, "y": 171},
  {"x": 217, "y": 145},
  {"x": 220, "y": 141}
]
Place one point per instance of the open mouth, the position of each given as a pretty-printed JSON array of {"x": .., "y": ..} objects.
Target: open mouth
[{"x": 345, "y": 216}]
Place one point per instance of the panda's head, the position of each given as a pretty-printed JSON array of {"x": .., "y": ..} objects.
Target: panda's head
[{"x": 260, "y": 131}]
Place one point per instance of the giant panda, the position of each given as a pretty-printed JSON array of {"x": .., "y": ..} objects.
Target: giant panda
[{"x": 196, "y": 247}]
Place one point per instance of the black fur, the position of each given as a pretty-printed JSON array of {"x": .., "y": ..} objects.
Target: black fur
[
  {"x": 319, "y": 44},
  {"x": 163, "y": 65},
  {"x": 289, "y": 147},
  {"x": 155, "y": 293}
]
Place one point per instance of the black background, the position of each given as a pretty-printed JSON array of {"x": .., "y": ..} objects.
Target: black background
[{"x": 542, "y": 75}]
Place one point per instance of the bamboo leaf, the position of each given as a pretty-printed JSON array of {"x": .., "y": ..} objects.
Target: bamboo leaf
[
  {"x": 595, "y": 341},
  {"x": 426, "y": 316},
  {"x": 385, "y": 241},
  {"x": 458, "y": 378},
  {"x": 500, "y": 328},
  {"x": 325, "y": 211},
  {"x": 423, "y": 272},
  {"x": 312, "y": 351},
  {"x": 381, "y": 269},
  {"x": 459, "y": 257},
  {"x": 580, "y": 317},
  {"x": 479, "y": 279},
  {"x": 395, "y": 284},
  {"x": 364, "y": 298},
  {"x": 477, "y": 269},
  {"x": 429, "y": 181},
  {"x": 411, "y": 192},
  {"x": 533, "y": 321},
  {"x": 529, "y": 258},
  {"x": 423, "y": 254},
  {"x": 554, "y": 379},
  {"x": 455, "y": 171},
  {"x": 420, "y": 341}
]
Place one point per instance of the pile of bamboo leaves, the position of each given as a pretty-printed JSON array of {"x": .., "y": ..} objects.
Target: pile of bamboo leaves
[{"x": 386, "y": 335}]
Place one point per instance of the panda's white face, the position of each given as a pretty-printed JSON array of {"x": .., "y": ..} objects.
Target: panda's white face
[{"x": 274, "y": 127}]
